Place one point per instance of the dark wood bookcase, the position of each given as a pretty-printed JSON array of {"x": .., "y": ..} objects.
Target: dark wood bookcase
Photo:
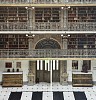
[
  {"x": 13, "y": 14},
  {"x": 47, "y": 14},
  {"x": 82, "y": 41},
  {"x": 12, "y": 79},
  {"x": 13, "y": 41},
  {"x": 82, "y": 14},
  {"x": 82, "y": 79}
]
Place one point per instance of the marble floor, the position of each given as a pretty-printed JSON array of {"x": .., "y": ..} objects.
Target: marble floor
[{"x": 47, "y": 91}]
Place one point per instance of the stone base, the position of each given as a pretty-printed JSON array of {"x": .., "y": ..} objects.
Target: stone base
[
  {"x": 64, "y": 83},
  {"x": 31, "y": 84}
]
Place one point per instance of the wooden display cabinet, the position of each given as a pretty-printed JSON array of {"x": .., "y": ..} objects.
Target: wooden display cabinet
[
  {"x": 12, "y": 79},
  {"x": 82, "y": 79}
]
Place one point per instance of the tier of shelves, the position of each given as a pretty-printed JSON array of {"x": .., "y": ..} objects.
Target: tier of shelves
[
  {"x": 82, "y": 14},
  {"x": 13, "y": 14},
  {"x": 47, "y": 14},
  {"x": 13, "y": 41},
  {"x": 82, "y": 41},
  {"x": 75, "y": 14}
]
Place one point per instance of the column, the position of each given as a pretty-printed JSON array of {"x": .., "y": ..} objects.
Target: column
[
  {"x": 63, "y": 72},
  {"x": 62, "y": 18},
  {"x": 31, "y": 46},
  {"x": 32, "y": 73},
  {"x": 64, "y": 13},
  {"x": 33, "y": 21},
  {"x": 65, "y": 18},
  {"x": 30, "y": 19},
  {"x": 64, "y": 43},
  {"x": 31, "y": 42}
]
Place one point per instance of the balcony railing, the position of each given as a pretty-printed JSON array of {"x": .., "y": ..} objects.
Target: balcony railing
[
  {"x": 13, "y": 26},
  {"x": 47, "y": 1},
  {"x": 52, "y": 53},
  {"x": 48, "y": 26}
]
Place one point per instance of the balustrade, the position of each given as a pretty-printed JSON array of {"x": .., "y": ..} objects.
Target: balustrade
[
  {"x": 10, "y": 26},
  {"x": 66, "y": 53},
  {"x": 47, "y": 1},
  {"x": 48, "y": 26}
]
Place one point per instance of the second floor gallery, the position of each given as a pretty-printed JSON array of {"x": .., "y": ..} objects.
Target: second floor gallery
[
  {"x": 76, "y": 18},
  {"x": 47, "y": 45}
]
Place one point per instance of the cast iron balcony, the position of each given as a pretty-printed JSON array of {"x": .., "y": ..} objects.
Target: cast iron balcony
[
  {"x": 50, "y": 53},
  {"x": 47, "y": 1},
  {"x": 48, "y": 26}
]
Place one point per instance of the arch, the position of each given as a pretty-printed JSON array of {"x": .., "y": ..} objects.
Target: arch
[{"x": 47, "y": 44}]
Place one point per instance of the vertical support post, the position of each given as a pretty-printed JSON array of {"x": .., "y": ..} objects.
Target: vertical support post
[
  {"x": 64, "y": 43},
  {"x": 50, "y": 64},
  {"x": 62, "y": 18},
  {"x": 33, "y": 20},
  {"x": 65, "y": 13},
  {"x": 30, "y": 19},
  {"x": 31, "y": 40}
]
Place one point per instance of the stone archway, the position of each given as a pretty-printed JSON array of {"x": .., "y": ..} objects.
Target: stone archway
[
  {"x": 47, "y": 44},
  {"x": 42, "y": 67}
]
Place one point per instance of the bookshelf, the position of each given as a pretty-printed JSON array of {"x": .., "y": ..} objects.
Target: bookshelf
[
  {"x": 82, "y": 14},
  {"x": 13, "y": 41},
  {"x": 13, "y": 14},
  {"x": 73, "y": 14},
  {"x": 47, "y": 14},
  {"x": 12, "y": 79},
  {"x": 82, "y": 41},
  {"x": 82, "y": 79}
]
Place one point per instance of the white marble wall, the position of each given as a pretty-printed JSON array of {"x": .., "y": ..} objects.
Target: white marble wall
[
  {"x": 25, "y": 66},
  {"x": 93, "y": 64}
]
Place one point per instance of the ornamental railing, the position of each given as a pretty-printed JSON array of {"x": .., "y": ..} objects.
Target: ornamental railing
[
  {"x": 47, "y": 1},
  {"x": 48, "y": 26},
  {"x": 49, "y": 53},
  {"x": 14, "y": 26}
]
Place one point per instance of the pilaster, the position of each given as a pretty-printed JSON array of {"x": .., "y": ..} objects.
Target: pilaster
[
  {"x": 32, "y": 73},
  {"x": 63, "y": 72}
]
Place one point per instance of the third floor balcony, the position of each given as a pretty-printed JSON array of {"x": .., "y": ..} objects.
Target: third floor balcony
[
  {"x": 48, "y": 19},
  {"x": 47, "y": 1}
]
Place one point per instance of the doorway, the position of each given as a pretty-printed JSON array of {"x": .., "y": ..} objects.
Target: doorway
[
  {"x": 43, "y": 71},
  {"x": 43, "y": 68}
]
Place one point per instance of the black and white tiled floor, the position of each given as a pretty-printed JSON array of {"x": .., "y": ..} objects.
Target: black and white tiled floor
[{"x": 27, "y": 91}]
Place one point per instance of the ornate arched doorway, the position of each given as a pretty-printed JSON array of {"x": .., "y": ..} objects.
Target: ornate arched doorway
[
  {"x": 43, "y": 66},
  {"x": 47, "y": 44}
]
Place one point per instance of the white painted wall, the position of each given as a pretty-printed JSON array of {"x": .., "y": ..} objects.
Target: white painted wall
[
  {"x": 69, "y": 70},
  {"x": 2, "y": 64},
  {"x": 80, "y": 62},
  {"x": 93, "y": 64},
  {"x": 24, "y": 67}
]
